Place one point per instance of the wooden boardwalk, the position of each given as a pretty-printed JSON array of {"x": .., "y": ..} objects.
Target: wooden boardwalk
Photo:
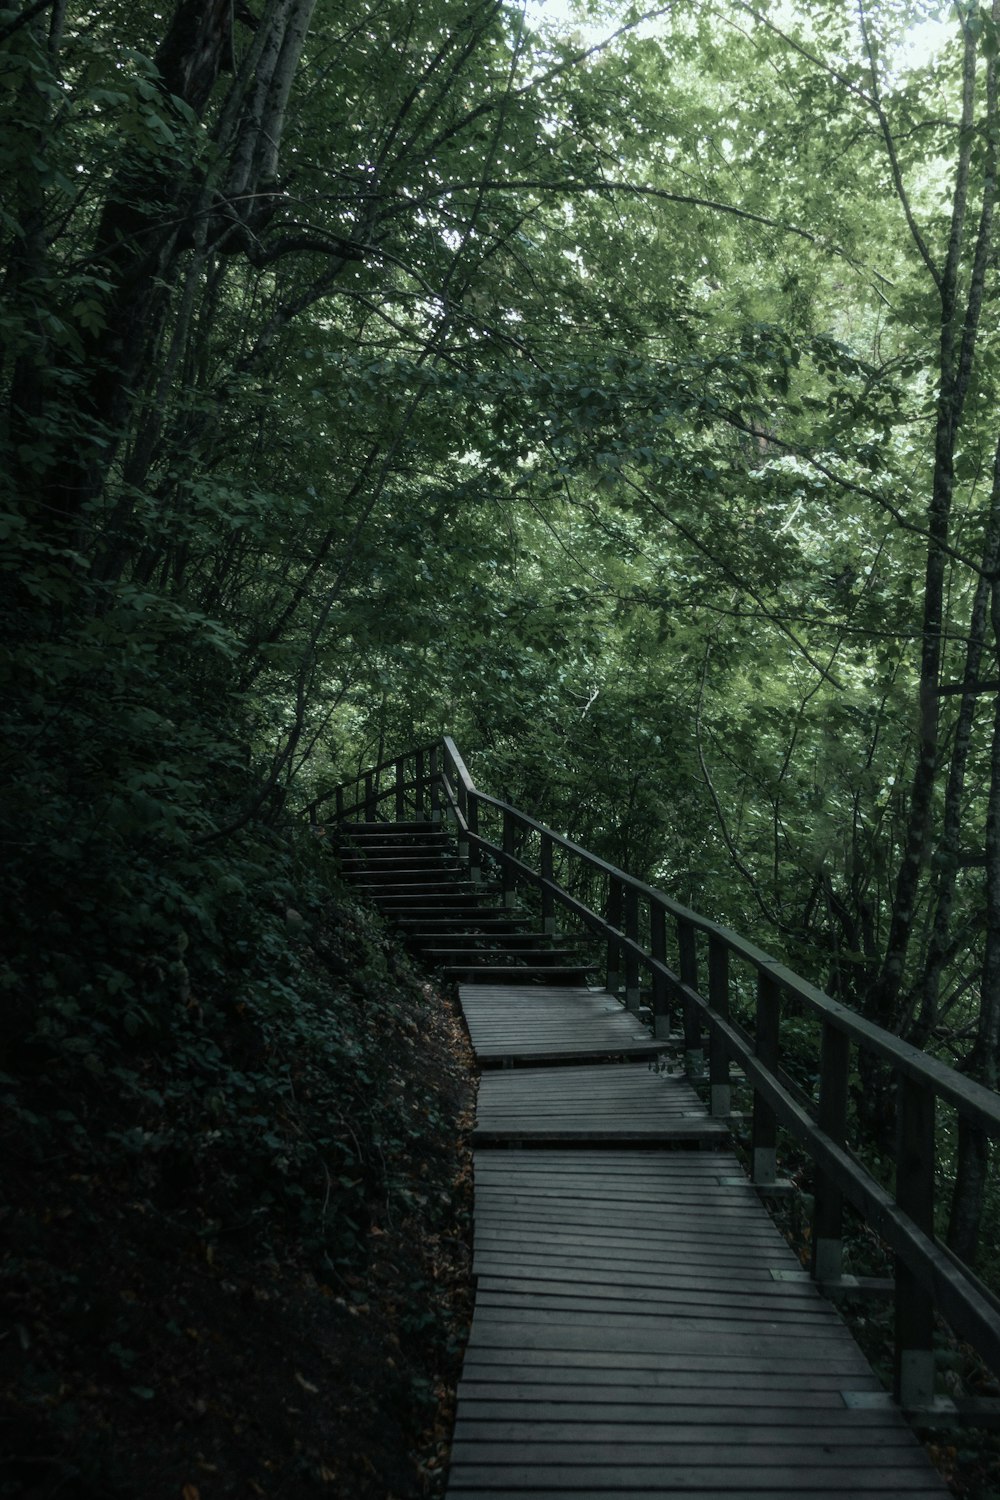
[{"x": 641, "y": 1327}]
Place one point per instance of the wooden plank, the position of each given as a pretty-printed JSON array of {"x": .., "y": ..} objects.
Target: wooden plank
[
  {"x": 653, "y": 1452},
  {"x": 731, "y": 1314},
  {"x": 598, "y": 1215},
  {"x": 779, "y": 1431},
  {"x": 730, "y": 1480},
  {"x": 614, "y": 1161},
  {"x": 550, "y": 1328},
  {"x": 752, "y": 1281},
  {"x": 672, "y": 1394},
  {"x": 626, "y": 1284},
  {"x": 682, "y": 1358},
  {"x": 462, "y": 1490}
]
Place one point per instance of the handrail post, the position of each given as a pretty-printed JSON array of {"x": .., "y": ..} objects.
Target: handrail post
[
  {"x": 613, "y": 917},
  {"x": 339, "y": 804},
  {"x": 694, "y": 1056},
  {"x": 507, "y": 873},
  {"x": 914, "y": 1352},
  {"x": 718, "y": 999},
  {"x": 548, "y": 876},
  {"x": 828, "y": 1210},
  {"x": 400, "y": 793},
  {"x": 631, "y": 956},
  {"x": 661, "y": 989},
  {"x": 371, "y": 804},
  {"x": 421, "y": 786},
  {"x": 765, "y": 1125},
  {"x": 435, "y": 773},
  {"x": 475, "y": 853},
  {"x": 457, "y": 782}
]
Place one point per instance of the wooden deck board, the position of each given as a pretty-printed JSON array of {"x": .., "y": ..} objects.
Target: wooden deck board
[
  {"x": 900, "y": 1490},
  {"x": 641, "y": 1328},
  {"x": 545, "y": 1022},
  {"x": 611, "y": 1101}
]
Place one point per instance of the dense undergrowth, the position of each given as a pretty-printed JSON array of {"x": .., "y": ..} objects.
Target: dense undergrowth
[{"x": 234, "y": 1206}]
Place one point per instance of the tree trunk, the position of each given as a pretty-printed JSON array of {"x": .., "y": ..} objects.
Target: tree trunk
[
  {"x": 984, "y": 1061},
  {"x": 948, "y": 849},
  {"x": 958, "y": 345},
  {"x": 136, "y": 252}
]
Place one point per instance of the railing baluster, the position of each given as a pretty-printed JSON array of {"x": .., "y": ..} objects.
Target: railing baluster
[
  {"x": 339, "y": 801},
  {"x": 435, "y": 773},
  {"x": 718, "y": 1057},
  {"x": 661, "y": 988},
  {"x": 472, "y": 848},
  {"x": 828, "y": 1211},
  {"x": 548, "y": 900},
  {"x": 507, "y": 873},
  {"x": 613, "y": 917},
  {"x": 371, "y": 805},
  {"x": 400, "y": 790},
  {"x": 914, "y": 1354},
  {"x": 421, "y": 785},
  {"x": 765, "y": 1126},
  {"x": 694, "y": 1056},
  {"x": 631, "y": 956}
]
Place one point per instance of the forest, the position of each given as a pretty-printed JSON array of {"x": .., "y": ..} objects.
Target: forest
[{"x": 614, "y": 389}]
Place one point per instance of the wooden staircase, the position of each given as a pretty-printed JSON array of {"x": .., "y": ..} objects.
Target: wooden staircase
[
  {"x": 457, "y": 925},
  {"x": 568, "y": 1064}
]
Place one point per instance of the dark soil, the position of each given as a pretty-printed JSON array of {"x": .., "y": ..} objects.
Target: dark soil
[{"x": 145, "y": 1357}]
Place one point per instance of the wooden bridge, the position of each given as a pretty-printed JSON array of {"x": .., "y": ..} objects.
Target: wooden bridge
[{"x": 641, "y": 1327}]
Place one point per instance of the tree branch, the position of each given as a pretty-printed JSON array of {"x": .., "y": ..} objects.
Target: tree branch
[{"x": 25, "y": 18}]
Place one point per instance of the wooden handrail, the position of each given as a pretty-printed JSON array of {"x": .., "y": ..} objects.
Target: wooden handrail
[{"x": 928, "y": 1276}]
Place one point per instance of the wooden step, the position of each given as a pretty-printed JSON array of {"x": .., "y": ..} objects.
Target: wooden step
[
  {"x": 595, "y": 1102},
  {"x": 511, "y": 1023},
  {"x": 388, "y": 830},
  {"x": 408, "y": 876},
  {"x": 486, "y": 925},
  {"x": 431, "y": 903},
  {"x": 515, "y": 974},
  {"x": 539, "y": 957},
  {"x": 415, "y": 854},
  {"x": 444, "y": 891},
  {"x": 548, "y": 942}
]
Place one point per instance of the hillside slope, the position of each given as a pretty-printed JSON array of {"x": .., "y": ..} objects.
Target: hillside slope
[{"x": 236, "y": 1258}]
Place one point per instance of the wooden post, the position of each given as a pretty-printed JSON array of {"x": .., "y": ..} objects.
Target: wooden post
[
  {"x": 694, "y": 1056},
  {"x": 631, "y": 957},
  {"x": 400, "y": 793},
  {"x": 421, "y": 787},
  {"x": 435, "y": 772},
  {"x": 914, "y": 1357},
  {"x": 765, "y": 1126},
  {"x": 718, "y": 998},
  {"x": 507, "y": 874},
  {"x": 458, "y": 786},
  {"x": 472, "y": 848},
  {"x": 613, "y": 917},
  {"x": 371, "y": 805},
  {"x": 340, "y": 804},
  {"x": 548, "y": 900},
  {"x": 661, "y": 988},
  {"x": 828, "y": 1212}
]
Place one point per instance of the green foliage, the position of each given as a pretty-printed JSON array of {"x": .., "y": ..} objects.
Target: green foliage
[{"x": 578, "y": 399}]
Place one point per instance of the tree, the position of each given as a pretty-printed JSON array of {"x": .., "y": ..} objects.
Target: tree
[{"x": 373, "y": 372}]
